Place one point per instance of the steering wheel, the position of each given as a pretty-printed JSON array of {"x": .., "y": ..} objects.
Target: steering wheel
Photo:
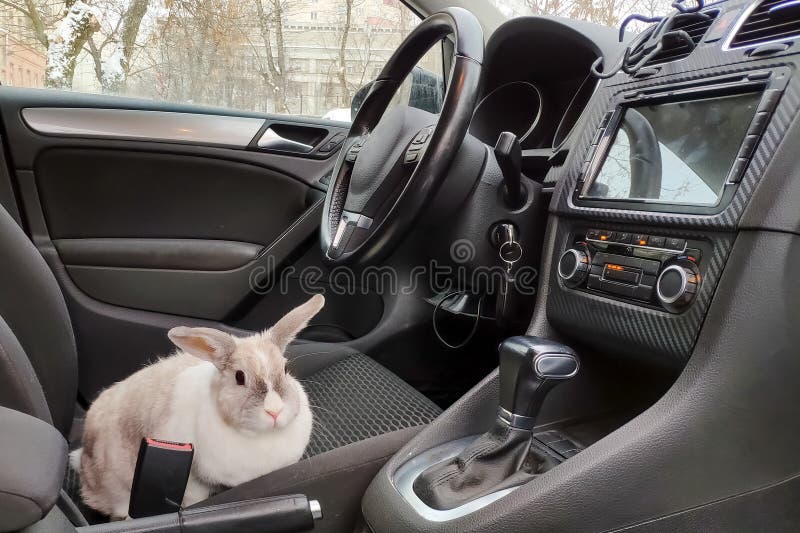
[
  {"x": 393, "y": 161},
  {"x": 645, "y": 156}
]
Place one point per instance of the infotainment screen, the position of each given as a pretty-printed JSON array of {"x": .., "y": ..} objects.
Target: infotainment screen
[{"x": 675, "y": 153}]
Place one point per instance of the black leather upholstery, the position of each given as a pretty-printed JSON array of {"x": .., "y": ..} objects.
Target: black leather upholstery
[
  {"x": 33, "y": 307},
  {"x": 496, "y": 460}
]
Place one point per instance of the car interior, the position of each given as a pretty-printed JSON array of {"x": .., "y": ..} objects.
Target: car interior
[{"x": 558, "y": 298}]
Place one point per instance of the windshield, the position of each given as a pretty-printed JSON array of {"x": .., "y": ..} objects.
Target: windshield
[{"x": 607, "y": 12}]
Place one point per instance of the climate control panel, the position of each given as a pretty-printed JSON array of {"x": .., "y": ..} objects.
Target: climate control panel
[{"x": 656, "y": 270}]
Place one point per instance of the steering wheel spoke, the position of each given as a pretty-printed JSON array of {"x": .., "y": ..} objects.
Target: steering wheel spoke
[{"x": 352, "y": 228}]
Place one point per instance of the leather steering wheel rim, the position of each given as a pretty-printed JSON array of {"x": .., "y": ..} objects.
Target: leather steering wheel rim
[{"x": 369, "y": 239}]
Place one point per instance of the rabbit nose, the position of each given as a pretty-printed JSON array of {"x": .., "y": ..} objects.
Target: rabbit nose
[{"x": 274, "y": 414}]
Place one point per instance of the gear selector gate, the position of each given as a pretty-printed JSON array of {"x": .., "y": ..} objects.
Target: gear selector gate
[{"x": 459, "y": 477}]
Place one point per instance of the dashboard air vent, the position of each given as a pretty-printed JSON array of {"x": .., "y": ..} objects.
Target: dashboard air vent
[
  {"x": 674, "y": 48},
  {"x": 769, "y": 21}
]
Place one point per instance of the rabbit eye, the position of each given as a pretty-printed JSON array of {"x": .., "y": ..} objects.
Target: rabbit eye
[{"x": 239, "y": 377}]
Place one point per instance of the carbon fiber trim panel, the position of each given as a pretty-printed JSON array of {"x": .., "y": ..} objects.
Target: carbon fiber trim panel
[
  {"x": 708, "y": 60},
  {"x": 627, "y": 327}
]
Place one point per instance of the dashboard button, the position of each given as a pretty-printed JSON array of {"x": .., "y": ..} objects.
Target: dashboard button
[
  {"x": 760, "y": 75},
  {"x": 640, "y": 239},
  {"x": 759, "y": 123},
  {"x": 624, "y": 238},
  {"x": 614, "y": 272},
  {"x": 737, "y": 171},
  {"x": 769, "y": 101},
  {"x": 606, "y": 119},
  {"x": 593, "y": 234},
  {"x": 656, "y": 242},
  {"x": 604, "y": 235},
  {"x": 676, "y": 244},
  {"x": 748, "y": 145},
  {"x": 643, "y": 292}
]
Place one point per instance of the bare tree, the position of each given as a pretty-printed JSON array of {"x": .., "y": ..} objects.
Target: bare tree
[
  {"x": 274, "y": 73},
  {"x": 65, "y": 29},
  {"x": 348, "y": 12},
  {"x": 606, "y": 12},
  {"x": 113, "y": 56}
]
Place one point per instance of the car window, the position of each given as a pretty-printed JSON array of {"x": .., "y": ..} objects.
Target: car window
[
  {"x": 607, "y": 13},
  {"x": 304, "y": 57}
]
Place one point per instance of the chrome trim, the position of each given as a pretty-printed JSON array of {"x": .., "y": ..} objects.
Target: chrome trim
[
  {"x": 316, "y": 509},
  {"x": 577, "y": 262},
  {"x": 361, "y": 221},
  {"x": 272, "y": 140},
  {"x": 403, "y": 480},
  {"x": 339, "y": 232},
  {"x": 516, "y": 421},
  {"x": 784, "y": 5},
  {"x": 571, "y": 357},
  {"x": 726, "y": 46},
  {"x": 165, "y": 126},
  {"x": 651, "y": 248},
  {"x": 684, "y": 282}
]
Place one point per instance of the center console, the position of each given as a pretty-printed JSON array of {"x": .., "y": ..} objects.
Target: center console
[
  {"x": 650, "y": 270},
  {"x": 673, "y": 225}
]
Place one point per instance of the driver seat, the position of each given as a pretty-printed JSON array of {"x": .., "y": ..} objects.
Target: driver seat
[{"x": 363, "y": 413}]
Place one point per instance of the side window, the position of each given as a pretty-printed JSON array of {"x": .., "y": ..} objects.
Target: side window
[{"x": 302, "y": 57}]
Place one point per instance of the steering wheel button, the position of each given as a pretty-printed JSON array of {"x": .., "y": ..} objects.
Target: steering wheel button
[{"x": 421, "y": 137}]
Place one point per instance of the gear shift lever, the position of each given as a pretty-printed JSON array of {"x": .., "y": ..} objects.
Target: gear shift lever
[{"x": 529, "y": 369}]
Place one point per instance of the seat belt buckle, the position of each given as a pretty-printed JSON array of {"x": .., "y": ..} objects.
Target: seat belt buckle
[{"x": 159, "y": 480}]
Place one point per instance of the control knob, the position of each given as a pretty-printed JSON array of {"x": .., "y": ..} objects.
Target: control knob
[
  {"x": 574, "y": 266},
  {"x": 678, "y": 284}
]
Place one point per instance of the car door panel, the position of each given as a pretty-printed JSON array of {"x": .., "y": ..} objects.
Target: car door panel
[
  {"x": 147, "y": 228},
  {"x": 89, "y": 193},
  {"x": 176, "y": 254}
]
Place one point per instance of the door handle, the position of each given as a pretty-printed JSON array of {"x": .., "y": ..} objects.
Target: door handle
[{"x": 272, "y": 140}]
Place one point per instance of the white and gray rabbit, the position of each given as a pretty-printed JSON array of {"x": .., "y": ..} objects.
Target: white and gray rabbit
[{"x": 232, "y": 398}]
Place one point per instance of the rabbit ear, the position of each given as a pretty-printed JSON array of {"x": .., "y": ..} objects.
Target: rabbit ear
[
  {"x": 285, "y": 330},
  {"x": 205, "y": 343}
]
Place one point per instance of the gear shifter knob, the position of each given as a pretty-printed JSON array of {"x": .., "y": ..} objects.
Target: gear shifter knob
[{"x": 529, "y": 369}]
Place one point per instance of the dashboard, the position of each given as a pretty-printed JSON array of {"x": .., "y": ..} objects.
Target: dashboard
[
  {"x": 652, "y": 167},
  {"x": 537, "y": 81}
]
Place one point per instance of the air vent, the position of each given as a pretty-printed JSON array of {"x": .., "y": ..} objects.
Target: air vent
[
  {"x": 695, "y": 24},
  {"x": 769, "y": 21}
]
